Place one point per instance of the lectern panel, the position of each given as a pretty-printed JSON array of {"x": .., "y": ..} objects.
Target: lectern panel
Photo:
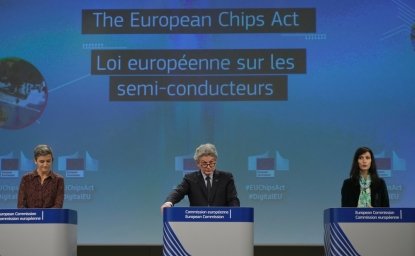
[
  {"x": 369, "y": 231},
  {"x": 208, "y": 231},
  {"x": 46, "y": 232}
]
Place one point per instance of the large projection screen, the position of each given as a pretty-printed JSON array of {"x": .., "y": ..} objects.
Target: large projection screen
[{"x": 124, "y": 91}]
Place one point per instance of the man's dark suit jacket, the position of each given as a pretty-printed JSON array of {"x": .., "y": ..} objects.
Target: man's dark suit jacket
[
  {"x": 351, "y": 191},
  {"x": 223, "y": 191}
]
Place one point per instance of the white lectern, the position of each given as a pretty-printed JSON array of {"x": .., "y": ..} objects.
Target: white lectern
[
  {"x": 369, "y": 231},
  {"x": 207, "y": 231},
  {"x": 43, "y": 232}
]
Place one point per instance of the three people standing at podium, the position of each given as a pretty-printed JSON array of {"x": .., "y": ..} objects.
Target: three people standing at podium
[
  {"x": 206, "y": 186},
  {"x": 41, "y": 188},
  {"x": 364, "y": 188}
]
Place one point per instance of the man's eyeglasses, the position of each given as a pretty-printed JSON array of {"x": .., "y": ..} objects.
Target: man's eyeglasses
[{"x": 211, "y": 164}]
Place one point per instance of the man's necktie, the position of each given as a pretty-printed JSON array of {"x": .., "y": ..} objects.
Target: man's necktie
[{"x": 208, "y": 185}]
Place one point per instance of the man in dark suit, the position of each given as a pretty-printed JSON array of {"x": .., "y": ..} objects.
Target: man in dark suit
[{"x": 207, "y": 186}]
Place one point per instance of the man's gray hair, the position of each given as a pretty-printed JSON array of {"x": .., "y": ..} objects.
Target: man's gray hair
[{"x": 205, "y": 150}]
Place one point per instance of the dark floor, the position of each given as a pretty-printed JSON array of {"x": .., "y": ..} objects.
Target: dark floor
[{"x": 156, "y": 250}]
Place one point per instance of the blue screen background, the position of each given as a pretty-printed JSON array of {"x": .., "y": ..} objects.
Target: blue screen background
[{"x": 358, "y": 90}]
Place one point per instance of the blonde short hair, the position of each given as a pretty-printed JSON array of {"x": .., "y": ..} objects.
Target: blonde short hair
[{"x": 42, "y": 150}]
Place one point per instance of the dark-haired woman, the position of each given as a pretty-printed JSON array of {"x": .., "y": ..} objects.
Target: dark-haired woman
[{"x": 364, "y": 188}]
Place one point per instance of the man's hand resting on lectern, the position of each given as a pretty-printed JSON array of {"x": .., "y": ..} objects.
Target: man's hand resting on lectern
[{"x": 166, "y": 204}]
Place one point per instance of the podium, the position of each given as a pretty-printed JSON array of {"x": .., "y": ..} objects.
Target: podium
[
  {"x": 46, "y": 232},
  {"x": 369, "y": 231},
  {"x": 207, "y": 231}
]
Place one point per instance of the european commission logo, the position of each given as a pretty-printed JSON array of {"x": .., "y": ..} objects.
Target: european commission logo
[
  {"x": 185, "y": 164},
  {"x": 266, "y": 165},
  {"x": 76, "y": 165},
  {"x": 12, "y": 164},
  {"x": 387, "y": 164}
]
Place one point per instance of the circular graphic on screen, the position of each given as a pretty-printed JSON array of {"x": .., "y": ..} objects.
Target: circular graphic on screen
[{"x": 23, "y": 93}]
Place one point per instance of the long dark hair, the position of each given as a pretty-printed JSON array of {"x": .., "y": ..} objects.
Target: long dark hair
[{"x": 355, "y": 171}]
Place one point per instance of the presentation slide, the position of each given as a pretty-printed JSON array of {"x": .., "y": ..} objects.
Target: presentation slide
[{"x": 125, "y": 91}]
